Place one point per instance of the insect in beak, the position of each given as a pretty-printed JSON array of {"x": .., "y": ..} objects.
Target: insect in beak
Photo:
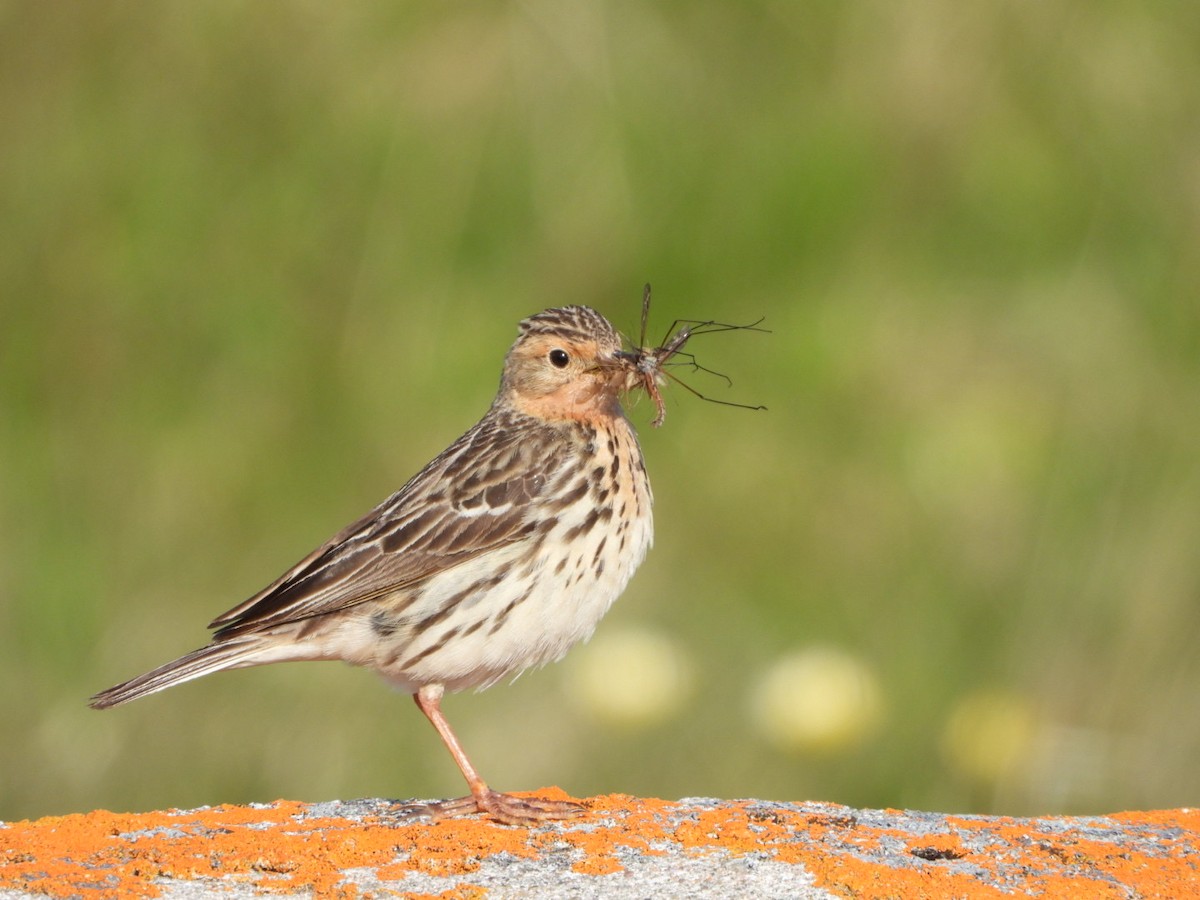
[{"x": 646, "y": 365}]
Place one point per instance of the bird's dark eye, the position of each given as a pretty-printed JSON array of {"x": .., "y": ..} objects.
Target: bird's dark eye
[{"x": 559, "y": 358}]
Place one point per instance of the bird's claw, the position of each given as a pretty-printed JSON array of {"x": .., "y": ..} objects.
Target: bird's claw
[{"x": 506, "y": 808}]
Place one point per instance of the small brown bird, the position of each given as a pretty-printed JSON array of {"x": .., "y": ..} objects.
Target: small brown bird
[{"x": 499, "y": 555}]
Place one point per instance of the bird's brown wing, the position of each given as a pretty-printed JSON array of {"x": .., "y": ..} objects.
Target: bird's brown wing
[{"x": 474, "y": 497}]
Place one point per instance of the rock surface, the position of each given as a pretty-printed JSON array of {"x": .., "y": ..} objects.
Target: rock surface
[{"x": 624, "y": 847}]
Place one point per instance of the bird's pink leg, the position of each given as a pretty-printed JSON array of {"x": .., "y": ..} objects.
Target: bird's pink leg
[{"x": 505, "y": 808}]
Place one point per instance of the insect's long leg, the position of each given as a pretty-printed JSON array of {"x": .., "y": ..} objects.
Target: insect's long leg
[
  {"x": 689, "y": 360},
  {"x": 698, "y": 326},
  {"x": 673, "y": 346},
  {"x": 692, "y": 390},
  {"x": 693, "y": 327},
  {"x": 645, "y": 314},
  {"x": 689, "y": 329}
]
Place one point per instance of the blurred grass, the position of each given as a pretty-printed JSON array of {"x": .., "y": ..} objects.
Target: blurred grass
[{"x": 260, "y": 264}]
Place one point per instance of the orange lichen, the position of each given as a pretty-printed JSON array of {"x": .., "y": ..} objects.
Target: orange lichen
[{"x": 284, "y": 847}]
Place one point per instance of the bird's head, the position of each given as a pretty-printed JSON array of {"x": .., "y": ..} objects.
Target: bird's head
[{"x": 565, "y": 364}]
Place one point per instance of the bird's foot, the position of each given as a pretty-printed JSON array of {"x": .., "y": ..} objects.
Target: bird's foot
[{"x": 507, "y": 808}]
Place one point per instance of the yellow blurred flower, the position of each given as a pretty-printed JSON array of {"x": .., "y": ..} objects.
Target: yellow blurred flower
[
  {"x": 989, "y": 734},
  {"x": 817, "y": 700},
  {"x": 630, "y": 677}
]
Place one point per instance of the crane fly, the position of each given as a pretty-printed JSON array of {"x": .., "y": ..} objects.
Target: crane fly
[{"x": 648, "y": 364}]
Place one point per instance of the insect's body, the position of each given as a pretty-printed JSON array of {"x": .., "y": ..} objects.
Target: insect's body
[{"x": 648, "y": 362}]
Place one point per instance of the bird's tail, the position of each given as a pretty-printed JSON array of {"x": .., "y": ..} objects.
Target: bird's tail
[{"x": 231, "y": 654}]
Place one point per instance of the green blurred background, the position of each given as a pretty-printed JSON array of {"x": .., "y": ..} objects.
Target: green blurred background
[{"x": 261, "y": 262}]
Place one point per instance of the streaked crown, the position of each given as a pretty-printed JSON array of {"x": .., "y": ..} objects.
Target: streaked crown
[{"x": 578, "y": 324}]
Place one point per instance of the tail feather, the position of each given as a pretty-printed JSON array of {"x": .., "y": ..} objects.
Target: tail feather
[{"x": 231, "y": 654}]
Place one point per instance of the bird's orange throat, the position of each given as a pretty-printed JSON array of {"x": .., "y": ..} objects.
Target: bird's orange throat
[{"x": 595, "y": 399}]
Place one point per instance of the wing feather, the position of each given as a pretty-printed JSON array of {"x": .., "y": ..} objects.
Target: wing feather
[{"x": 474, "y": 497}]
